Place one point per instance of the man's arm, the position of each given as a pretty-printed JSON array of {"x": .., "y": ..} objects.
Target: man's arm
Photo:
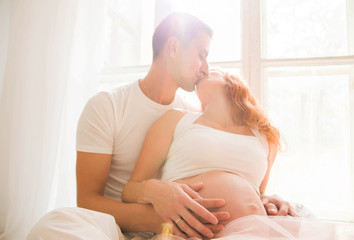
[{"x": 92, "y": 171}]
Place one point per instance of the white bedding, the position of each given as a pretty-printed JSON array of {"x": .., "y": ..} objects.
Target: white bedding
[{"x": 83, "y": 224}]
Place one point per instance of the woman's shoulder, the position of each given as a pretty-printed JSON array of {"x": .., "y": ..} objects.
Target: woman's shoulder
[
  {"x": 177, "y": 113},
  {"x": 175, "y": 116},
  {"x": 171, "y": 117}
]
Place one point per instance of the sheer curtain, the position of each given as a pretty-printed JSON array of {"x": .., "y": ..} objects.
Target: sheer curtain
[{"x": 50, "y": 57}]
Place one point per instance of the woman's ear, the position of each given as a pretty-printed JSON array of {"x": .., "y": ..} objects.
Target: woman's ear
[{"x": 172, "y": 46}]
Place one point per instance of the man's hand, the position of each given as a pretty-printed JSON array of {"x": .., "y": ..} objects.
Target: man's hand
[
  {"x": 179, "y": 204},
  {"x": 275, "y": 205},
  {"x": 221, "y": 216}
]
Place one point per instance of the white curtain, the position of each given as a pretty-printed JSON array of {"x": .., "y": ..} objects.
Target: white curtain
[{"x": 50, "y": 58}]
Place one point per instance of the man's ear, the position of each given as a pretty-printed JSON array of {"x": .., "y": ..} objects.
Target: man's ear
[{"x": 172, "y": 46}]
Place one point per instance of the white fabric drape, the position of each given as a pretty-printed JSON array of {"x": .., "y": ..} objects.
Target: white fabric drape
[{"x": 50, "y": 56}]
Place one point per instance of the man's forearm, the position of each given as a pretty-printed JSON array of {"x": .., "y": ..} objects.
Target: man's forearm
[
  {"x": 134, "y": 192},
  {"x": 131, "y": 217}
]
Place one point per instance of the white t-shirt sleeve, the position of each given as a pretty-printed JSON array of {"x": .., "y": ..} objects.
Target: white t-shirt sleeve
[{"x": 96, "y": 127}]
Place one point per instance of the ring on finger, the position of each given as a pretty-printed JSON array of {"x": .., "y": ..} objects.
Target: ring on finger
[{"x": 179, "y": 219}]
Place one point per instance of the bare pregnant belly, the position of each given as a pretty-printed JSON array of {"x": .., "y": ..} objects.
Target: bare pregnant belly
[{"x": 240, "y": 197}]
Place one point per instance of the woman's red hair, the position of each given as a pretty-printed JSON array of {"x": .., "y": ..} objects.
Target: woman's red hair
[{"x": 247, "y": 110}]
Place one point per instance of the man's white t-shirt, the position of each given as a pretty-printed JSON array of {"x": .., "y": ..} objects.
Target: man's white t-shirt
[{"x": 116, "y": 122}]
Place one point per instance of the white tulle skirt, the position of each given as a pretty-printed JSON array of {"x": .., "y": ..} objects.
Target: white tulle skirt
[{"x": 281, "y": 228}]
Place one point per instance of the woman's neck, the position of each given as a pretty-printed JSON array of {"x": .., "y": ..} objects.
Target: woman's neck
[{"x": 219, "y": 111}]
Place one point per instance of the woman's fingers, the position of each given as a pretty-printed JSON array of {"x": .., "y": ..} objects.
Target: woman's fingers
[
  {"x": 275, "y": 205},
  {"x": 292, "y": 212},
  {"x": 283, "y": 209},
  {"x": 271, "y": 208},
  {"x": 221, "y": 216},
  {"x": 211, "y": 203}
]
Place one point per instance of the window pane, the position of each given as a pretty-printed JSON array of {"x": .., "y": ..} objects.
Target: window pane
[
  {"x": 313, "y": 108},
  {"x": 129, "y": 28},
  {"x": 307, "y": 28},
  {"x": 223, "y": 17},
  {"x": 130, "y": 25}
]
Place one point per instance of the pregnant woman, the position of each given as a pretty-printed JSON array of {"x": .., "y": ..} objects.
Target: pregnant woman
[{"x": 230, "y": 147}]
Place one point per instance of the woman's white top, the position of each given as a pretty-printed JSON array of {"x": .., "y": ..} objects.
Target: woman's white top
[{"x": 197, "y": 149}]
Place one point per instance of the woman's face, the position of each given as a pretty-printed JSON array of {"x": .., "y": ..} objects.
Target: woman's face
[{"x": 207, "y": 87}]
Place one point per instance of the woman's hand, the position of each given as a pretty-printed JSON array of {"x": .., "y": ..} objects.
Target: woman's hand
[
  {"x": 175, "y": 204},
  {"x": 275, "y": 205}
]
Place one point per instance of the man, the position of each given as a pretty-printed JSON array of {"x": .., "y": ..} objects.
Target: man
[{"x": 113, "y": 126}]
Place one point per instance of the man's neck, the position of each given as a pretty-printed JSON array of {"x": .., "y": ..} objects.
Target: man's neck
[{"x": 158, "y": 84}]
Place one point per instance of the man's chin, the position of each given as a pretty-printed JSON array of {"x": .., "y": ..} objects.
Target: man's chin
[{"x": 188, "y": 88}]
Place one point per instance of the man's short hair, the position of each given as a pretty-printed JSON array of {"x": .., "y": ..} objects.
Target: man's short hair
[{"x": 183, "y": 26}]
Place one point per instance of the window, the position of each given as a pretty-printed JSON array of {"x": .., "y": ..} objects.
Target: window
[
  {"x": 308, "y": 87},
  {"x": 130, "y": 26},
  {"x": 312, "y": 108},
  {"x": 298, "y": 57},
  {"x": 305, "y": 29}
]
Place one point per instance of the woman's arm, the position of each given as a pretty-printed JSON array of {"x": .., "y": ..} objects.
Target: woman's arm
[
  {"x": 151, "y": 158},
  {"x": 274, "y": 204},
  {"x": 272, "y": 153}
]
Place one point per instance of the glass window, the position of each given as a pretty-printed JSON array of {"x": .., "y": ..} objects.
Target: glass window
[
  {"x": 223, "y": 17},
  {"x": 130, "y": 25},
  {"x": 303, "y": 28},
  {"x": 128, "y": 33},
  {"x": 313, "y": 108}
]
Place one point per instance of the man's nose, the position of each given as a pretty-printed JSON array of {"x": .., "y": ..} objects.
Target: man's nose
[{"x": 204, "y": 69}]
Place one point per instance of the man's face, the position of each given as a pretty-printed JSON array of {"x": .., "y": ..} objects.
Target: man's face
[{"x": 191, "y": 63}]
